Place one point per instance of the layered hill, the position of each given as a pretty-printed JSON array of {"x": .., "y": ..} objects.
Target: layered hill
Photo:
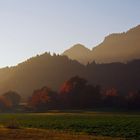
[
  {"x": 43, "y": 70},
  {"x": 80, "y": 53},
  {"x": 52, "y": 71},
  {"x": 121, "y": 47},
  {"x": 117, "y": 47}
]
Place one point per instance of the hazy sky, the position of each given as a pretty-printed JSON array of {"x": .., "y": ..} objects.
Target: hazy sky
[{"x": 30, "y": 27}]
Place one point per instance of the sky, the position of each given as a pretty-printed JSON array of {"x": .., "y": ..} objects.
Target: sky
[{"x": 31, "y": 27}]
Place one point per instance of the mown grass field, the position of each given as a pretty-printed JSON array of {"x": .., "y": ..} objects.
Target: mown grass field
[{"x": 121, "y": 125}]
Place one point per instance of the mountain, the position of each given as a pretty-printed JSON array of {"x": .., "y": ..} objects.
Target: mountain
[
  {"x": 39, "y": 71},
  {"x": 80, "y": 53},
  {"x": 117, "y": 47},
  {"x": 53, "y": 71},
  {"x": 121, "y": 47}
]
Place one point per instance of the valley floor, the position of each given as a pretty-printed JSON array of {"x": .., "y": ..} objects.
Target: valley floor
[{"x": 70, "y": 125}]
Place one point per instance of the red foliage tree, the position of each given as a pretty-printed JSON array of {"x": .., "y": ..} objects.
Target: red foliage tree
[
  {"x": 77, "y": 93},
  {"x": 110, "y": 97},
  {"x": 41, "y": 98},
  {"x": 112, "y": 92}
]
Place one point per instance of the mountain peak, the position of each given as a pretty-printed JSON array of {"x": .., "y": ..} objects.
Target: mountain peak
[
  {"x": 78, "y": 47},
  {"x": 78, "y": 52}
]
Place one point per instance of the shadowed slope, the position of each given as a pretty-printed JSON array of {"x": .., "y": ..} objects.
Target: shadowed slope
[{"x": 37, "y": 72}]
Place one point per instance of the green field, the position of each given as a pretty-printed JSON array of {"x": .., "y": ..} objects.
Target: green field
[{"x": 124, "y": 125}]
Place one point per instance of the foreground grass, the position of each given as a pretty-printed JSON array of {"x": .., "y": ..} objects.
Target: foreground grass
[
  {"x": 94, "y": 124},
  {"x": 37, "y": 134}
]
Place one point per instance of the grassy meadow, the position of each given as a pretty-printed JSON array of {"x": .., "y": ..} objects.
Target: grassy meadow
[{"x": 88, "y": 124}]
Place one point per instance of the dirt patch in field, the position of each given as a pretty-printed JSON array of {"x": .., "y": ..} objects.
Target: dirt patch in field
[{"x": 38, "y": 134}]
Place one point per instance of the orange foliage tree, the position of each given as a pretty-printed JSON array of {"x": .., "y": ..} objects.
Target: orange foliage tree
[
  {"x": 41, "y": 99},
  {"x": 5, "y": 104}
]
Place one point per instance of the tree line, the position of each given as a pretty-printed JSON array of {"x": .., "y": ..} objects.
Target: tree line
[{"x": 75, "y": 93}]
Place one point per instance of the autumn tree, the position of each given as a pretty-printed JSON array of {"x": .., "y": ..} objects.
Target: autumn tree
[
  {"x": 77, "y": 93},
  {"x": 5, "y": 104},
  {"x": 110, "y": 97},
  {"x": 13, "y": 97},
  {"x": 42, "y": 99}
]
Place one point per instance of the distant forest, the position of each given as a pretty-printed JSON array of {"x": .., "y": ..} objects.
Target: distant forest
[
  {"x": 52, "y": 82},
  {"x": 76, "y": 93}
]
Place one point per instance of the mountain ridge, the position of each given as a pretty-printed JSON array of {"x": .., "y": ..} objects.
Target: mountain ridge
[
  {"x": 53, "y": 70},
  {"x": 116, "y": 47}
]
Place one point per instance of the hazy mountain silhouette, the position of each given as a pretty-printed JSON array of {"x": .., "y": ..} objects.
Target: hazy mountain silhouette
[
  {"x": 121, "y": 47},
  {"x": 37, "y": 72},
  {"x": 52, "y": 71},
  {"x": 80, "y": 53},
  {"x": 117, "y": 47}
]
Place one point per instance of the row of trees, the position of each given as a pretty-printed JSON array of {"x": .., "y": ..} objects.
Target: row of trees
[{"x": 76, "y": 93}]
